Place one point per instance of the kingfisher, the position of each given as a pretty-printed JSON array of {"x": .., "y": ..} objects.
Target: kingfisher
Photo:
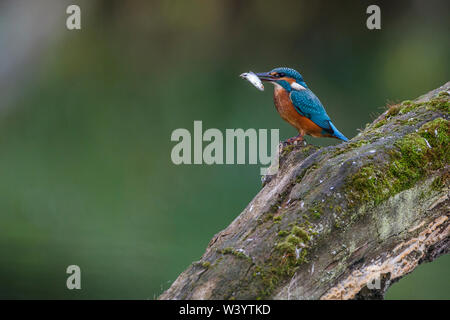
[{"x": 299, "y": 106}]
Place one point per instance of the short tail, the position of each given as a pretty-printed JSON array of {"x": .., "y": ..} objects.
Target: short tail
[{"x": 336, "y": 133}]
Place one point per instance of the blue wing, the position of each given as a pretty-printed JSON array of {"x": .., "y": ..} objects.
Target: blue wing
[{"x": 308, "y": 105}]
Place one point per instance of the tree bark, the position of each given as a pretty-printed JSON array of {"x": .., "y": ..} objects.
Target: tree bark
[{"x": 339, "y": 222}]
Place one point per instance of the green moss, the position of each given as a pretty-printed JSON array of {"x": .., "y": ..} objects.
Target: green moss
[
  {"x": 301, "y": 233},
  {"x": 286, "y": 150},
  {"x": 402, "y": 108},
  {"x": 316, "y": 210},
  {"x": 440, "y": 103},
  {"x": 308, "y": 148},
  {"x": 267, "y": 217},
  {"x": 415, "y": 154},
  {"x": 380, "y": 123},
  {"x": 437, "y": 133},
  {"x": 277, "y": 219},
  {"x": 408, "y": 106},
  {"x": 290, "y": 259},
  {"x": 289, "y": 245},
  {"x": 236, "y": 253},
  {"x": 437, "y": 184},
  {"x": 295, "y": 237},
  {"x": 316, "y": 215},
  {"x": 283, "y": 233},
  {"x": 227, "y": 250},
  {"x": 289, "y": 148},
  {"x": 288, "y": 255},
  {"x": 274, "y": 208},
  {"x": 206, "y": 264},
  {"x": 443, "y": 94},
  {"x": 241, "y": 255}
]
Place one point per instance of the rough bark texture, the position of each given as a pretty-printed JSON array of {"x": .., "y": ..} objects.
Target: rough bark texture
[{"x": 340, "y": 222}]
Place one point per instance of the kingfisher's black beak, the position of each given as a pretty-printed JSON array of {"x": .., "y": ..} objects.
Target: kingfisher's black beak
[{"x": 265, "y": 76}]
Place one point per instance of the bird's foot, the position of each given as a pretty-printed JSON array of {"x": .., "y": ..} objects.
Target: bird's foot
[{"x": 297, "y": 140}]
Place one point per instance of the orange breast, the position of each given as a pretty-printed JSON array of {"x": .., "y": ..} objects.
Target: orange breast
[{"x": 287, "y": 111}]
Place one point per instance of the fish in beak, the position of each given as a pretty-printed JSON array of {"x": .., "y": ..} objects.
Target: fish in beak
[{"x": 253, "y": 79}]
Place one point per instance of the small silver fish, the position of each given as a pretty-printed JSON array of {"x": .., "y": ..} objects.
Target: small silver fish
[{"x": 253, "y": 79}]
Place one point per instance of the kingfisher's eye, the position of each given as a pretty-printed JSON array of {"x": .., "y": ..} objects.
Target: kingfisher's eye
[{"x": 280, "y": 75}]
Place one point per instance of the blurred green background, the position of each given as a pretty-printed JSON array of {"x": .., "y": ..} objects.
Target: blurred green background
[{"x": 86, "y": 117}]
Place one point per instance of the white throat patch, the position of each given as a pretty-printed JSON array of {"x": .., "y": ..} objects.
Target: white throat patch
[
  {"x": 277, "y": 86},
  {"x": 296, "y": 86}
]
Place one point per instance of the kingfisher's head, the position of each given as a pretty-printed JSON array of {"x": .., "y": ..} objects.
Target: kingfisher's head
[{"x": 287, "y": 78}]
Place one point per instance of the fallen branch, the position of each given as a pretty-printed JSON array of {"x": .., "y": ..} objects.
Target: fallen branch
[{"x": 340, "y": 222}]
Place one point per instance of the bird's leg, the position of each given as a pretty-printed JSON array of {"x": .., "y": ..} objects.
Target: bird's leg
[{"x": 295, "y": 140}]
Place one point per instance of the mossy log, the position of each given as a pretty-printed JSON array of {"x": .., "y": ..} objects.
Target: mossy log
[{"x": 339, "y": 222}]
